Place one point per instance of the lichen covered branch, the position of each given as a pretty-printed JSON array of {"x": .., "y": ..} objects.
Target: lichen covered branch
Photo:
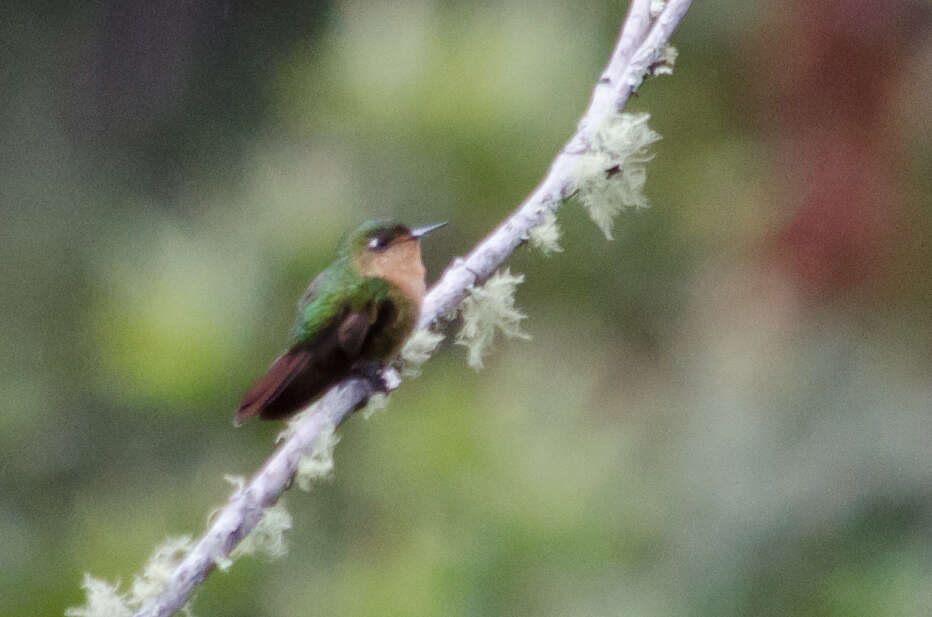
[{"x": 641, "y": 46}]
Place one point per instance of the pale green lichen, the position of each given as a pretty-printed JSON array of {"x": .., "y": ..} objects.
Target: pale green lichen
[
  {"x": 545, "y": 236},
  {"x": 418, "y": 349},
  {"x": 317, "y": 463},
  {"x": 267, "y": 537},
  {"x": 292, "y": 424},
  {"x": 159, "y": 567},
  {"x": 103, "y": 600},
  {"x": 238, "y": 483},
  {"x": 377, "y": 402},
  {"x": 665, "y": 61},
  {"x": 486, "y": 309},
  {"x": 610, "y": 175}
]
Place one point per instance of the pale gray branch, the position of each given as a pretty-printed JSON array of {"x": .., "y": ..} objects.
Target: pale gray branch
[{"x": 638, "y": 45}]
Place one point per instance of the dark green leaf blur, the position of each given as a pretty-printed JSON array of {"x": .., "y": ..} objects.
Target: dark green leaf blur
[{"x": 723, "y": 412}]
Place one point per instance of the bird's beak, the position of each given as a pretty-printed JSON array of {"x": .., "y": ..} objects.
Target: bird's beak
[{"x": 426, "y": 229}]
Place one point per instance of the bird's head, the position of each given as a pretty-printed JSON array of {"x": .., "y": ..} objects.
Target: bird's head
[{"x": 390, "y": 251}]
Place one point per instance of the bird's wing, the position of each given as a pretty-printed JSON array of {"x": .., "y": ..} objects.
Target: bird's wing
[
  {"x": 352, "y": 331},
  {"x": 313, "y": 290},
  {"x": 320, "y": 357}
]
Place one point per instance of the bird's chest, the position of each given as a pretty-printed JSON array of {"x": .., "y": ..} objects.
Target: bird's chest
[{"x": 397, "y": 317}]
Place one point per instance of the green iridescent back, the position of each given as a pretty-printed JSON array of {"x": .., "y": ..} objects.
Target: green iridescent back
[
  {"x": 334, "y": 289},
  {"x": 340, "y": 286}
]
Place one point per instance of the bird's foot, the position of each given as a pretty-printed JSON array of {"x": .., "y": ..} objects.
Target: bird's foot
[
  {"x": 374, "y": 371},
  {"x": 382, "y": 379}
]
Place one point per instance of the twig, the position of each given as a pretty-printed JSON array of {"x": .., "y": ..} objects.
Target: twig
[
  {"x": 638, "y": 46},
  {"x": 624, "y": 72}
]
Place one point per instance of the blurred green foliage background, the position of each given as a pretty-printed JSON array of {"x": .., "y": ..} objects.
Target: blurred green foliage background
[{"x": 723, "y": 412}]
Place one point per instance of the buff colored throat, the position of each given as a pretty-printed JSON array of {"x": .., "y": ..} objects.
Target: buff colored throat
[{"x": 400, "y": 265}]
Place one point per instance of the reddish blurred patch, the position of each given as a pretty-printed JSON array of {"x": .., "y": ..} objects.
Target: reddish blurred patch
[{"x": 832, "y": 69}]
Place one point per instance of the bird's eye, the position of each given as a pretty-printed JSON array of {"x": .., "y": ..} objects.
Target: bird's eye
[{"x": 376, "y": 243}]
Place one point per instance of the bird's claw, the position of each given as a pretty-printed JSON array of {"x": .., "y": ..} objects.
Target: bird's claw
[{"x": 373, "y": 372}]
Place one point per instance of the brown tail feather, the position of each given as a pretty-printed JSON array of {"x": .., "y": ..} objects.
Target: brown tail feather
[{"x": 283, "y": 371}]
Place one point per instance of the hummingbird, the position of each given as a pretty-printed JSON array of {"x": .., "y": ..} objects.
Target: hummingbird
[{"x": 353, "y": 316}]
